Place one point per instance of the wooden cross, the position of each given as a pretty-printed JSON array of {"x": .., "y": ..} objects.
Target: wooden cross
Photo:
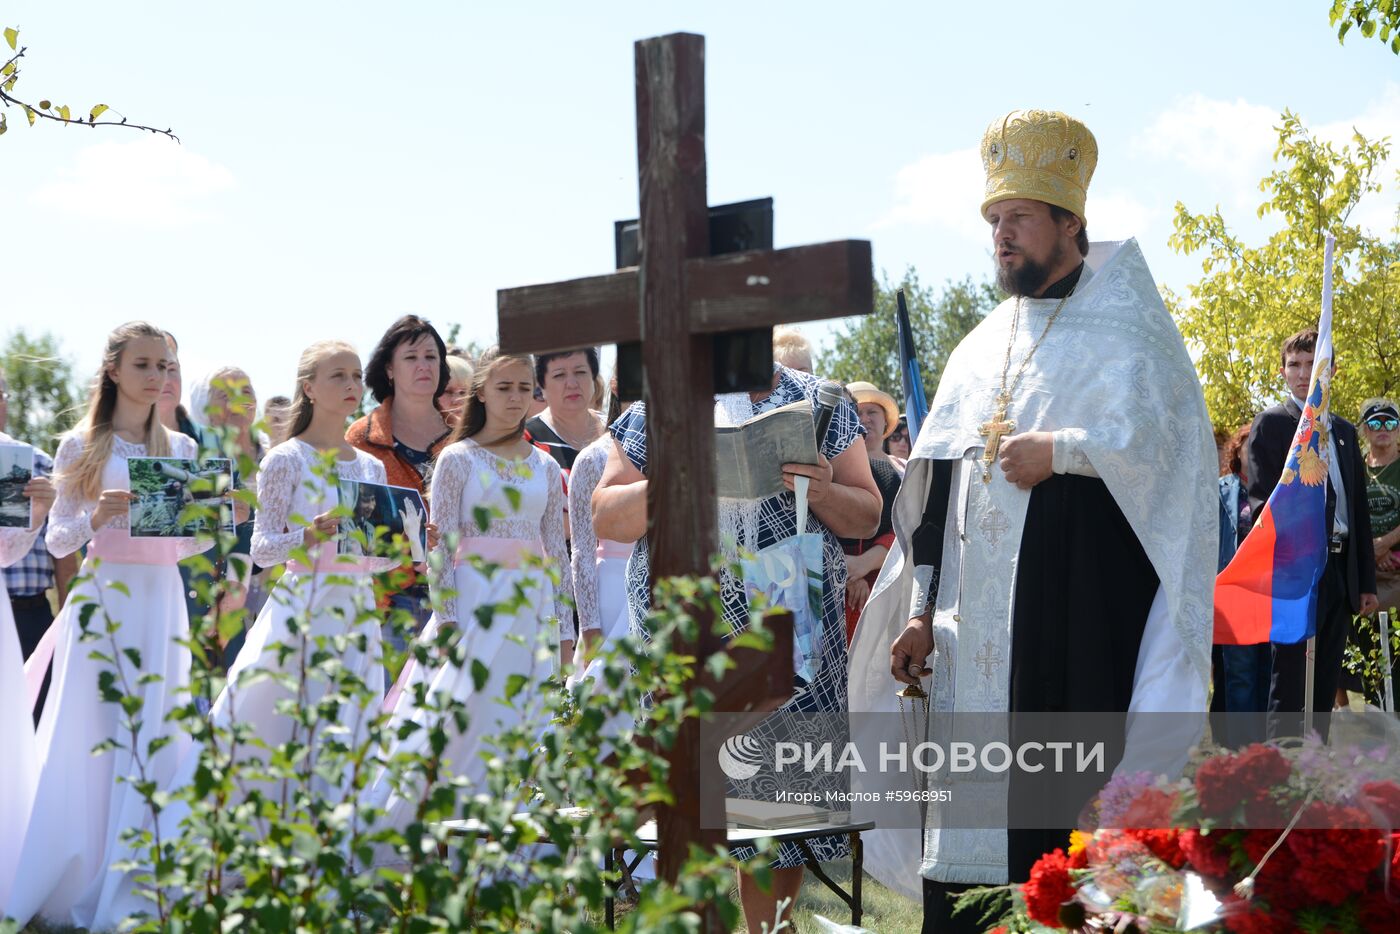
[{"x": 676, "y": 303}]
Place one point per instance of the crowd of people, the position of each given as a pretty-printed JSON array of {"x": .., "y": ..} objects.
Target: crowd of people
[{"x": 529, "y": 439}]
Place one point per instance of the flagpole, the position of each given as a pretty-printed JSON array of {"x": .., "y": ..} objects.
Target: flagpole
[
  {"x": 1310, "y": 659},
  {"x": 1310, "y": 669},
  {"x": 1383, "y": 619}
]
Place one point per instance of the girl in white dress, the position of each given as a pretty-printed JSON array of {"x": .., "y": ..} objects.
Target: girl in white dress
[
  {"x": 334, "y": 597},
  {"x": 82, "y": 806},
  {"x": 19, "y": 764},
  {"x": 488, "y": 457}
]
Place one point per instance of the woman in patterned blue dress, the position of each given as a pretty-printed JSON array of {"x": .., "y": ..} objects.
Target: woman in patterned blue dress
[{"x": 844, "y": 501}]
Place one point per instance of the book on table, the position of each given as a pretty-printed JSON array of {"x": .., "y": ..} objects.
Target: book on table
[{"x": 775, "y": 815}]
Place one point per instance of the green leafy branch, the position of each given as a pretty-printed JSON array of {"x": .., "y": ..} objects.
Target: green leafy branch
[
  {"x": 1374, "y": 19},
  {"x": 45, "y": 109}
]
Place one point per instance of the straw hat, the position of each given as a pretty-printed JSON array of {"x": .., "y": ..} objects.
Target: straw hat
[{"x": 867, "y": 392}]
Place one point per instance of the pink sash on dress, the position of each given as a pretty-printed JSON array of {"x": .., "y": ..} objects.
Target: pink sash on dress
[
  {"x": 112, "y": 546},
  {"x": 507, "y": 552}
]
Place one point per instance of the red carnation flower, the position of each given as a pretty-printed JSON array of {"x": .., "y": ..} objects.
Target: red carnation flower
[
  {"x": 1162, "y": 842},
  {"x": 1249, "y": 917},
  {"x": 1334, "y": 864},
  {"x": 1215, "y": 786},
  {"x": 1049, "y": 887},
  {"x": 1206, "y": 853},
  {"x": 1274, "y": 884},
  {"x": 1152, "y": 808}
]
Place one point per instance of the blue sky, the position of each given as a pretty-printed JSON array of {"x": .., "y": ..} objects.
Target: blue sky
[{"x": 343, "y": 163}]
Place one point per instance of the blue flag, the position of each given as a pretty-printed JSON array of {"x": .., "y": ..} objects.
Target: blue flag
[{"x": 915, "y": 405}]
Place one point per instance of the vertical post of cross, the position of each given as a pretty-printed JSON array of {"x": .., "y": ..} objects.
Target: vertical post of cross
[{"x": 683, "y": 535}]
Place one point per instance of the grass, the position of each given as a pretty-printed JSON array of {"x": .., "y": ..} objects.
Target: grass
[{"x": 885, "y": 911}]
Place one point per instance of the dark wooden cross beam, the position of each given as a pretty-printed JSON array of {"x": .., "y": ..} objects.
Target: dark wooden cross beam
[{"x": 676, "y": 303}]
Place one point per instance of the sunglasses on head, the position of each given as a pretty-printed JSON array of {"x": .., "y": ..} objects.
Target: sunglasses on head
[{"x": 1383, "y": 423}]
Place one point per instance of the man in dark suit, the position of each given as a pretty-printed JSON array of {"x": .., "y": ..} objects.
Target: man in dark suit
[{"x": 1348, "y": 584}]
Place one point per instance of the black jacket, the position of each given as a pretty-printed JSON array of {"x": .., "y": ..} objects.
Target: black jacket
[{"x": 1270, "y": 437}]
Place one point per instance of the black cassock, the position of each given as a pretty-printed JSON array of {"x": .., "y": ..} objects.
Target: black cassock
[{"x": 1084, "y": 587}]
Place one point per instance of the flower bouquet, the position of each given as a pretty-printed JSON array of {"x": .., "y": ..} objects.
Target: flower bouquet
[{"x": 1263, "y": 840}]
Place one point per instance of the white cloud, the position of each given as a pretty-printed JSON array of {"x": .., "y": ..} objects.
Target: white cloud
[
  {"x": 151, "y": 181},
  {"x": 1380, "y": 118},
  {"x": 1228, "y": 140},
  {"x": 941, "y": 188},
  {"x": 1117, "y": 216}
]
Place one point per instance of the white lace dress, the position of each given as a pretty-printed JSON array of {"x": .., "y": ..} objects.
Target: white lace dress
[
  {"x": 334, "y": 598},
  {"x": 524, "y": 642},
  {"x": 599, "y": 566},
  {"x": 81, "y": 807},
  {"x": 19, "y": 764}
]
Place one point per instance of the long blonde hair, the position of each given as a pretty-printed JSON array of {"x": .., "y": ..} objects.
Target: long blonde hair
[
  {"x": 300, "y": 417},
  {"x": 474, "y": 413},
  {"x": 95, "y": 427}
]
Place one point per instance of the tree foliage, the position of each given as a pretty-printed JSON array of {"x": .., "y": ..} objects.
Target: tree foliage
[
  {"x": 1251, "y": 298},
  {"x": 868, "y": 348},
  {"x": 44, "y": 109},
  {"x": 1379, "y": 19},
  {"x": 42, "y": 403}
]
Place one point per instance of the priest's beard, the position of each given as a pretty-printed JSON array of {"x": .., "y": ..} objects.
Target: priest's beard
[{"x": 1032, "y": 276}]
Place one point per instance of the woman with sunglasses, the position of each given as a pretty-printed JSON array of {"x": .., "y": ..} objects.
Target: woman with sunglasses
[
  {"x": 899, "y": 444},
  {"x": 1380, "y": 425}
]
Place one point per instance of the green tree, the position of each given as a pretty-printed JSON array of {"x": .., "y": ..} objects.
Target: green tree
[
  {"x": 1374, "y": 18},
  {"x": 1251, "y": 298},
  {"x": 868, "y": 348},
  {"x": 42, "y": 401}
]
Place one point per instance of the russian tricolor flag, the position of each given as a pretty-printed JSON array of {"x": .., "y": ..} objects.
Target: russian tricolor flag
[{"x": 1268, "y": 592}]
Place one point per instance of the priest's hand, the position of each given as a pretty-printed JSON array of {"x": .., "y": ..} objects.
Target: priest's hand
[
  {"x": 1028, "y": 459},
  {"x": 1369, "y": 604},
  {"x": 910, "y": 652}
]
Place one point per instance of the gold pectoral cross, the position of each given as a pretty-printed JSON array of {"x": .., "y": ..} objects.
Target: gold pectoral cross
[{"x": 994, "y": 431}]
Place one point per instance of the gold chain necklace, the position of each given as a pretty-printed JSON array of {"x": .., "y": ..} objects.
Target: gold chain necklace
[{"x": 998, "y": 428}]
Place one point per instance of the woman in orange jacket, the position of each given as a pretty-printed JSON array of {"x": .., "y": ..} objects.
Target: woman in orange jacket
[{"x": 406, "y": 374}]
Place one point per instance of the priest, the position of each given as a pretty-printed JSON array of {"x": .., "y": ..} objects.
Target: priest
[{"x": 1056, "y": 526}]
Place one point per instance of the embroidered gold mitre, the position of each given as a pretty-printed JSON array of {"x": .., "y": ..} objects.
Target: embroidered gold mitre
[{"x": 1042, "y": 155}]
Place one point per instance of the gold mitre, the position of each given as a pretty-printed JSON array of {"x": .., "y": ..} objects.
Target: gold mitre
[{"x": 1039, "y": 154}]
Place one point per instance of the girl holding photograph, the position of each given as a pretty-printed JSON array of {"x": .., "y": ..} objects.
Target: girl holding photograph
[
  {"x": 19, "y": 767},
  {"x": 334, "y": 597},
  {"x": 489, "y": 456},
  {"x": 84, "y": 802}
]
